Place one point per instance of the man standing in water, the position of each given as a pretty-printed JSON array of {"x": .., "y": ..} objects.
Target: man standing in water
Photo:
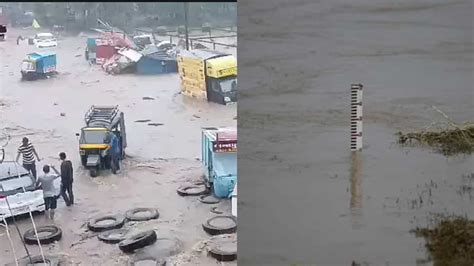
[
  {"x": 114, "y": 151},
  {"x": 49, "y": 191},
  {"x": 66, "y": 179},
  {"x": 29, "y": 153}
]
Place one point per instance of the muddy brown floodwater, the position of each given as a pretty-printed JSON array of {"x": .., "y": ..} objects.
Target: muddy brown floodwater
[
  {"x": 337, "y": 208},
  {"x": 163, "y": 157}
]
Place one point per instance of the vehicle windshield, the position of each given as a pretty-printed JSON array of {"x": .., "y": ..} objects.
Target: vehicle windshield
[
  {"x": 27, "y": 65},
  {"x": 45, "y": 37},
  {"x": 94, "y": 136},
  {"x": 228, "y": 85},
  {"x": 15, "y": 182}
]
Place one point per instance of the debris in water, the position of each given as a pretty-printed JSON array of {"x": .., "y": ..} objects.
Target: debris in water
[
  {"x": 155, "y": 124},
  {"x": 454, "y": 139},
  {"x": 196, "y": 116},
  {"x": 63, "y": 114},
  {"x": 216, "y": 210},
  {"x": 90, "y": 82},
  {"x": 142, "y": 120},
  {"x": 78, "y": 55},
  {"x": 147, "y": 98},
  {"x": 450, "y": 240}
]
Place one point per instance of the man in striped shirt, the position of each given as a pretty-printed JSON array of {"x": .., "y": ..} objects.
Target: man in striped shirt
[{"x": 28, "y": 151}]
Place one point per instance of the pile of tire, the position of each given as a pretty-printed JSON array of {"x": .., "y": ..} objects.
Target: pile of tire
[
  {"x": 224, "y": 239},
  {"x": 113, "y": 233}
]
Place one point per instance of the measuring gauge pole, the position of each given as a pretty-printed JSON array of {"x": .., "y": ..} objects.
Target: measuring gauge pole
[{"x": 356, "y": 117}]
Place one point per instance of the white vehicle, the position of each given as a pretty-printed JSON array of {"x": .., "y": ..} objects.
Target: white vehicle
[
  {"x": 17, "y": 186},
  {"x": 45, "y": 40}
]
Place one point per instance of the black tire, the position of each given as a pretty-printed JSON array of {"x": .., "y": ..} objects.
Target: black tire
[
  {"x": 137, "y": 241},
  {"x": 48, "y": 260},
  {"x": 93, "y": 172},
  {"x": 221, "y": 251},
  {"x": 113, "y": 236},
  {"x": 54, "y": 234},
  {"x": 94, "y": 225},
  {"x": 184, "y": 190},
  {"x": 219, "y": 230},
  {"x": 209, "y": 199},
  {"x": 158, "y": 262},
  {"x": 132, "y": 214}
]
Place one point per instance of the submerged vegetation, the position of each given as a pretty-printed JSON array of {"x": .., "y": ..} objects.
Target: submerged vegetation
[
  {"x": 450, "y": 241},
  {"x": 453, "y": 139}
]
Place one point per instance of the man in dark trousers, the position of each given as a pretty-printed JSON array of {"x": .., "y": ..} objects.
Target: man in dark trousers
[
  {"x": 66, "y": 179},
  {"x": 114, "y": 152},
  {"x": 28, "y": 151}
]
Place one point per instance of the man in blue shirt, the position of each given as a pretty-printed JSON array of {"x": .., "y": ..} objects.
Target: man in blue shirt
[{"x": 114, "y": 152}]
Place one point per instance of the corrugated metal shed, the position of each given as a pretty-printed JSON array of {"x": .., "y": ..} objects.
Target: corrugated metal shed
[{"x": 130, "y": 54}]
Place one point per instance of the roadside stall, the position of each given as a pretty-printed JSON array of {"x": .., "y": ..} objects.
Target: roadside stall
[{"x": 219, "y": 158}]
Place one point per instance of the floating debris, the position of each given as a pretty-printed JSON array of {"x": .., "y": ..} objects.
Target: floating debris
[
  {"x": 155, "y": 124},
  {"x": 147, "y": 98},
  {"x": 450, "y": 241},
  {"x": 142, "y": 120},
  {"x": 454, "y": 139}
]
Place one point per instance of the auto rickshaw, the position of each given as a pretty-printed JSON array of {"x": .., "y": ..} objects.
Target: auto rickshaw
[{"x": 94, "y": 139}]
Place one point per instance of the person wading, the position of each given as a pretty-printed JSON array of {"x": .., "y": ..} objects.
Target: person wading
[
  {"x": 66, "y": 180},
  {"x": 49, "y": 191},
  {"x": 114, "y": 151},
  {"x": 28, "y": 151}
]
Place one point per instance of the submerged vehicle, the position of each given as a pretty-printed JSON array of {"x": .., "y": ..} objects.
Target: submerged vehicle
[
  {"x": 219, "y": 158},
  {"x": 208, "y": 75},
  {"x": 17, "y": 186},
  {"x": 45, "y": 40},
  {"x": 38, "y": 65},
  {"x": 94, "y": 141}
]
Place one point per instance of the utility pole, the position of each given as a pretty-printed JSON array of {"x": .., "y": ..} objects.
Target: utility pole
[{"x": 186, "y": 5}]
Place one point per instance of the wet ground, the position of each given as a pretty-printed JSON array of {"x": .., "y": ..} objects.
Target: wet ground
[
  {"x": 336, "y": 208},
  {"x": 161, "y": 157}
]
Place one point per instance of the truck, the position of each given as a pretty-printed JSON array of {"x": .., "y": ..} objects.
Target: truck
[
  {"x": 3, "y": 23},
  {"x": 38, "y": 65},
  {"x": 219, "y": 161},
  {"x": 210, "y": 75}
]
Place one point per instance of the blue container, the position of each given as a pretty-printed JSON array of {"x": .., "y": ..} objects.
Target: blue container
[
  {"x": 224, "y": 185},
  {"x": 225, "y": 174},
  {"x": 91, "y": 45},
  {"x": 157, "y": 62},
  {"x": 45, "y": 62}
]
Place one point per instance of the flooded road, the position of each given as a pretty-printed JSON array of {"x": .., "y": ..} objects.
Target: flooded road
[
  {"x": 409, "y": 56},
  {"x": 161, "y": 158}
]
